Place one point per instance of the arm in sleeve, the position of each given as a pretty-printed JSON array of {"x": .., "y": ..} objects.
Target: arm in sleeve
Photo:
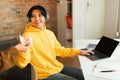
[
  {"x": 23, "y": 58},
  {"x": 61, "y": 51}
]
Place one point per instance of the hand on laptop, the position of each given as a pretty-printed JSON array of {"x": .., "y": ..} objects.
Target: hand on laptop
[{"x": 86, "y": 52}]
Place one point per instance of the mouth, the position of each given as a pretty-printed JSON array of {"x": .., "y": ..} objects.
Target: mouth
[{"x": 37, "y": 23}]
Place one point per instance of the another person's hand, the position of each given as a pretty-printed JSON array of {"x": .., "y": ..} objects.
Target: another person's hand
[
  {"x": 86, "y": 52},
  {"x": 22, "y": 47}
]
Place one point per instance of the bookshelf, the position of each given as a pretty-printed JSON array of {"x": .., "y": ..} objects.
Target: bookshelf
[{"x": 64, "y": 12}]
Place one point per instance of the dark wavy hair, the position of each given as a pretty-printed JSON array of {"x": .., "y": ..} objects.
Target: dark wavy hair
[{"x": 40, "y": 8}]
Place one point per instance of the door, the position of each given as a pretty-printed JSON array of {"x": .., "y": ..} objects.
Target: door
[
  {"x": 94, "y": 18},
  {"x": 88, "y": 19}
]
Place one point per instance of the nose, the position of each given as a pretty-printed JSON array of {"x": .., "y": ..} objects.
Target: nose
[{"x": 37, "y": 18}]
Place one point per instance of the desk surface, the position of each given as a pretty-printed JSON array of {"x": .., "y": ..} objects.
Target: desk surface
[{"x": 88, "y": 65}]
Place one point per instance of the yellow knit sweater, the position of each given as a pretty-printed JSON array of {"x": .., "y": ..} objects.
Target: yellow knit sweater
[{"x": 43, "y": 51}]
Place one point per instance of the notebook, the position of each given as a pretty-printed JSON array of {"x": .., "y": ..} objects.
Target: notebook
[{"x": 103, "y": 49}]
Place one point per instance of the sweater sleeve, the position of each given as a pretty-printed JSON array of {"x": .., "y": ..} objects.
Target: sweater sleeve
[
  {"x": 23, "y": 58},
  {"x": 61, "y": 51}
]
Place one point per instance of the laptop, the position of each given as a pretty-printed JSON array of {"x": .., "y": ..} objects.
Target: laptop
[{"x": 103, "y": 49}]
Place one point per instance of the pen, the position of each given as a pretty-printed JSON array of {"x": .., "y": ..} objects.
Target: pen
[{"x": 108, "y": 71}]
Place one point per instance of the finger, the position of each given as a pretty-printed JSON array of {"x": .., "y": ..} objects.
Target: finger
[
  {"x": 88, "y": 54},
  {"x": 91, "y": 52}
]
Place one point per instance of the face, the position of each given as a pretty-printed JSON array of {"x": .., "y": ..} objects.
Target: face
[{"x": 37, "y": 19}]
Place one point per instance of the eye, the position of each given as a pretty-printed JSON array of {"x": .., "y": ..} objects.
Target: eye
[
  {"x": 40, "y": 15},
  {"x": 32, "y": 16}
]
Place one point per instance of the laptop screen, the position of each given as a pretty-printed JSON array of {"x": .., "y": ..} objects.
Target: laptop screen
[{"x": 106, "y": 45}]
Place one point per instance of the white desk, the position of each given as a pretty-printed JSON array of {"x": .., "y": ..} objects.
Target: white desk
[{"x": 88, "y": 65}]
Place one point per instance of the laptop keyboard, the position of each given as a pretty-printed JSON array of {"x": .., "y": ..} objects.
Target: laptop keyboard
[
  {"x": 93, "y": 57},
  {"x": 96, "y": 56}
]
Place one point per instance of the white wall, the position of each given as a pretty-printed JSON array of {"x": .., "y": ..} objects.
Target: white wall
[
  {"x": 88, "y": 21},
  {"x": 111, "y": 18},
  {"x": 78, "y": 19},
  {"x": 61, "y": 27}
]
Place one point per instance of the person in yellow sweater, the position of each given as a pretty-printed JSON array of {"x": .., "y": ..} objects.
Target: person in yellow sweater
[{"x": 45, "y": 48}]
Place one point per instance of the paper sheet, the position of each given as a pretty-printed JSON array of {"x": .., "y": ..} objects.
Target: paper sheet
[{"x": 115, "y": 75}]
